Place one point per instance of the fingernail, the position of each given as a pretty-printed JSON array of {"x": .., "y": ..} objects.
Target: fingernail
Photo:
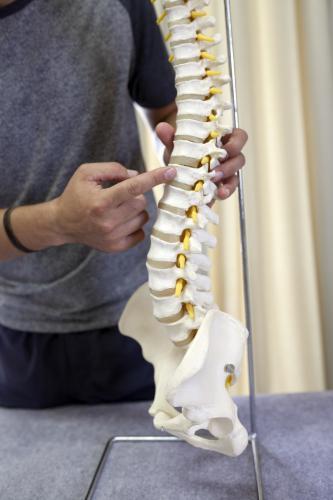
[
  {"x": 218, "y": 176},
  {"x": 170, "y": 174},
  {"x": 131, "y": 172},
  {"x": 226, "y": 191}
]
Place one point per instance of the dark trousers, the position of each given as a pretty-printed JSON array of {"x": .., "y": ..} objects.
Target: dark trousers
[{"x": 45, "y": 370}]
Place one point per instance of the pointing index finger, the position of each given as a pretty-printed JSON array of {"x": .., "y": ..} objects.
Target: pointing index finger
[{"x": 130, "y": 188}]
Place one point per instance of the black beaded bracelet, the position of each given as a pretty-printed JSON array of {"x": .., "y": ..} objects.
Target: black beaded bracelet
[{"x": 10, "y": 233}]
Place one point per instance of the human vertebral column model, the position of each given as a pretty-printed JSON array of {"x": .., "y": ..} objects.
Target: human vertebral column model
[{"x": 195, "y": 348}]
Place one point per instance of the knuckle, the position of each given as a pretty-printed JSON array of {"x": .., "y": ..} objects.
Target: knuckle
[
  {"x": 139, "y": 204},
  {"x": 106, "y": 228},
  {"x": 118, "y": 167},
  {"x": 235, "y": 183},
  {"x": 245, "y": 135},
  {"x": 242, "y": 159},
  {"x": 139, "y": 236},
  {"x": 145, "y": 216},
  {"x": 116, "y": 164},
  {"x": 133, "y": 189},
  {"x": 110, "y": 246},
  {"x": 143, "y": 201},
  {"x": 119, "y": 245},
  {"x": 97, "y": 209},
  {"x": 116, "y": 232},
  {"x": 156, "y": 176}
]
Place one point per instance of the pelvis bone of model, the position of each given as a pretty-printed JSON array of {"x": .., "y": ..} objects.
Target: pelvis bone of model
[{"x": 195, "y": 348}]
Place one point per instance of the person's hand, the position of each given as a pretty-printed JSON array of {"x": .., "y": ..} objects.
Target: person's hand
[
  {"x": 226, "y": 173},
  {"x": 108, "y": 219},
  {"x": 226, "y": 177}
]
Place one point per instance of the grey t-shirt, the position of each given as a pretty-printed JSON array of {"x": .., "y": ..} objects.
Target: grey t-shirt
[{"x": 69, "y": 73}]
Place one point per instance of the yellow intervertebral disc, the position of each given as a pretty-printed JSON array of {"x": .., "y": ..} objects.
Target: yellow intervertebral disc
[
  {"x": 180, "y": 285},
  {"x": 181, "y": 261},
  {"x": 167, "y": 37},
  {"x": 190, "y": 310},
  {"x": 171, "y": 58}
]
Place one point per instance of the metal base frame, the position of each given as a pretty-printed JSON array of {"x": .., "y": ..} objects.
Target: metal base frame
[
  {"x": 163, "y": 439},
  {"x": 253, "y": 439}
]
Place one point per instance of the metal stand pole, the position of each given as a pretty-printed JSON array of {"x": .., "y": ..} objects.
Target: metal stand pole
[{"x": 245, "y": 262}]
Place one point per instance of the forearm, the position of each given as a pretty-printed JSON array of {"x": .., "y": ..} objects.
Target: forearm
[{"x": 34, "y": 226}]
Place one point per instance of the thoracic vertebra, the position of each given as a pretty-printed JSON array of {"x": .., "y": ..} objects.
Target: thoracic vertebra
[{"x": 177, "y": 263}]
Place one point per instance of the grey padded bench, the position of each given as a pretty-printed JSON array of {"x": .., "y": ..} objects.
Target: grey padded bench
[{"x": 53, "y": 454}]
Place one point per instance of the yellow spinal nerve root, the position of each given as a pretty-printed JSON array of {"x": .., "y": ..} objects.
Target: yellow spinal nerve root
[
  {"x": 161, "y": 17},
  {"x": 198, "y": 186},
  {"x": 185, "y": 238},
  {"x": 204, "y": 38},
  {"x": 198, "y": 13},
  {"x": 228, "y": 381},
  {"x": 206, "y": 55},
  {"x": 192, "y": 212},
  {"x": 215, "y": 90},
  {"x": 180, "y": 285},
  {"x": 190, "y": 310},
  {"x": 181, "y": 261},
  {"x": 205, "y": 160},
  {"x": 211, "y": 72}
]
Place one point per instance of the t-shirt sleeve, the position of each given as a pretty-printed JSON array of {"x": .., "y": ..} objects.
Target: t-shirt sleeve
[{"x": 152, "y": 80}]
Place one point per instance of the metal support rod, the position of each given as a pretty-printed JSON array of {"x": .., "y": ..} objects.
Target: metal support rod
[
  {"x": 245, "y": 260},
  {"x": 257, "y": 467},
  {"x": 242, "y": 219}
]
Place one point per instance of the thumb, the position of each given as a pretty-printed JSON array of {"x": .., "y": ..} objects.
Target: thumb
[{"x": 166, "y": 133}]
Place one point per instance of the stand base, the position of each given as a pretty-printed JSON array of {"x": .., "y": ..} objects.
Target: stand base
[{"x": 253, "y": 441}]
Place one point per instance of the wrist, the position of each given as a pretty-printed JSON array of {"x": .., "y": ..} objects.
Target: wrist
[
  {"x": 59, "y": 235},
  {"x": 35, "y": 226}
]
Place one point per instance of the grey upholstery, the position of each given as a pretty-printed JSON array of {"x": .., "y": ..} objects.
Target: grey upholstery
[{"x": 52, "y": 454}]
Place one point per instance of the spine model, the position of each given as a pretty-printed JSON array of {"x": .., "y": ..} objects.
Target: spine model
[
  {"x": 177, "y": 262},
  {"x": 193, "y": 371}
]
